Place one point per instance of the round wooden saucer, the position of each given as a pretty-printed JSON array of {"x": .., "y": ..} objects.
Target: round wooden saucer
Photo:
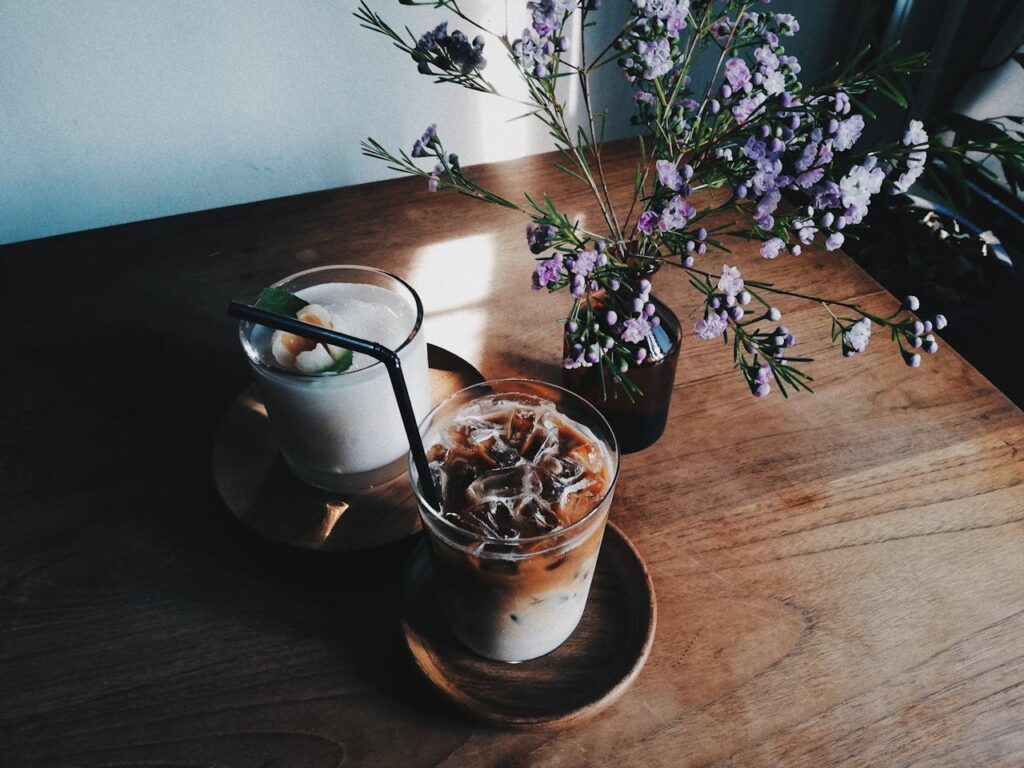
[
  {"x": 586, "y": 674},
  {"x": 262, "y": 493}
]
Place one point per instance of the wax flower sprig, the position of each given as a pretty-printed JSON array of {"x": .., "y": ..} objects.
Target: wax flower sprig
[{"x": 751, "y": 129}]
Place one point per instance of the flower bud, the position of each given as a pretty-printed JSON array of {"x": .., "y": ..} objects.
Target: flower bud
[
  {"x": 762, "y": 389},
  {"x": 730, "y": 300},
  {"x": 611, "y": 318},
  {"x": 702, "y": 233},
  {"x": 688, "y": 261},
  {"x": 940, "y": 322},
  {"x": 918, "y": 327},
  {"x": 827, "y": 219},
  {"x": 609, "y": 342},
  {"x": 725, "y": 91},
  {"x": 572, "y": 326},
  {"x": 736, "y": 313},
  {"x": 741, "y": 191},
  {"x": 687, "y": 171},
  {"x": 916, "y": 342},
  {"x": 928, "y": 326},
  {"x": 655, "y": 321},
  {"x": 637, "y": 306},
  {"x": 641, "y": 355},
  {"x": 649, "y": 310},
  {"x": 613, "y": 285},
  {"x": 931, "y": 347},
  {"x": 912, "y": 359},
  {"x": 911, "y": 303},
  {"x": 774, "y": 315},
  {"x": 745, "y": 297},
  {"x": 600, "y": 246}
]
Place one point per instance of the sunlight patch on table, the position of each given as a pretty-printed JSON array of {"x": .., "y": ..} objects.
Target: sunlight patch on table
[{"x": 454, "y": 279}]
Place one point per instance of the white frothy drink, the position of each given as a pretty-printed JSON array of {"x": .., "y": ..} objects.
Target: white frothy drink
[{"x": 343, "y": 431}]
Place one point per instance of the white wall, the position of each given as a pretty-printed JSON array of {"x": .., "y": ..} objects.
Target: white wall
[{"x": 120, "y": 110}]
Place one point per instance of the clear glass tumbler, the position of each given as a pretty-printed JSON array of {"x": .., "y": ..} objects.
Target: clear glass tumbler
[
  {"x": 516, "y": 599},
  {"x": 343, "y": 431}
]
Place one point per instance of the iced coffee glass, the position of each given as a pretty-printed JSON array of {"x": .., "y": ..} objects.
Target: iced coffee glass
[
  {"x": 342, "y": 431},
  {"x": 526, "y": 472}
]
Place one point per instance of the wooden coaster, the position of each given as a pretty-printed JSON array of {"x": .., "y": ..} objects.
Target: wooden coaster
[
  {"x": 583, "y": 676},
  {"x": 265, "y": 496}
]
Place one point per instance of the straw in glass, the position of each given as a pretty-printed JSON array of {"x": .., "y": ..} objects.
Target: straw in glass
[{"x": 378, "y": 352}]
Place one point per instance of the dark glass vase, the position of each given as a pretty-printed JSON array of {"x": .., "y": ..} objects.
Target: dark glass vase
[{"x": 638, "y": 423}]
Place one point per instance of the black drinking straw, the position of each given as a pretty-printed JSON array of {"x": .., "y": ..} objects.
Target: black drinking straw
[{"x": 378, "y": 352}]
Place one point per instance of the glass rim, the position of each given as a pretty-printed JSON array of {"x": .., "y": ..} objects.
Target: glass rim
[
  {"x": 579, "y": 524},
  {"x": 256, "y": 360}
]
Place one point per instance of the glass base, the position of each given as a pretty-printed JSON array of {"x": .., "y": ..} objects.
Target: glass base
[{"x": 350, "y": 483}]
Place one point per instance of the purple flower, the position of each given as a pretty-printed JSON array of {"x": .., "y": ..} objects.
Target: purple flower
[
  {"x": 766, "y": 205},
  {"x": 834, "y": 241},
  {"x": 710, "y": 327},
  {"x": 539, "y": 236},
  {"x": 548, "y": 272},
  {"x": 809, "y": 178},
  {"x": 583, "y": 262},
  {"x": 856, "y": 337},
  {"x": 669, "y": 175},
  {"x": 420, "y": 146},
  {"x": 548, "y": 15},
  {"x": 770, "y": 248},
  {"x": 828, "y": 195},
  {"x": 676, "y": 213},
  {"x": 634, "y": 329},
  {"x": 737, "y": 73},
  {"x": 754, "y": 149},
  {"x": 787, "y": 24},
  {"x": 849, "y": 131},
  {"x": 766, "y": 58},
  {"x": 656, "y": 56},
  {"x": 646, "y": 222},
  {"x": 730, "y": 283},
  {"x": 747, "y": 106}
]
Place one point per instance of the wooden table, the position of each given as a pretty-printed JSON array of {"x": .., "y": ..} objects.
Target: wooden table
[{"x": 840, "y": 576}]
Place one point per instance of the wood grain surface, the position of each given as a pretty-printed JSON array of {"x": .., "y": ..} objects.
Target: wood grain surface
[
  {"x": 578, "y": 680},
  {"x": 840, "y": 577}
]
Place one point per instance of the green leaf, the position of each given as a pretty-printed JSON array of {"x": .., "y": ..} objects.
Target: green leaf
[
  {"x": 342, "y": 364},
  {"x": 280, "y": 302},
  {"x": 974, "y": 130}
]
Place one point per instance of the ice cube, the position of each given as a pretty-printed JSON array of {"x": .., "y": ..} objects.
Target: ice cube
[
  {"x": 535, "y": 518},
  {"x": 520, "y": 428},
  {"x": 500, "y": 453},
  {"x": 505, "y": 484}
]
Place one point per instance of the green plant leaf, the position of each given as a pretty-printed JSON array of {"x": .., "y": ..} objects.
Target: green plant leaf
[
  {"x": 342, "y": 364},
  {"x": 280, "y": 302}
]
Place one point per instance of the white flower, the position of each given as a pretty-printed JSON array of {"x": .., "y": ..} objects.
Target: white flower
[
  {"x": 774, "y": 83},
  {"x": 730, "y": 283},
  {"x": 710, "y": 327},
  {"x": 915, "y": 134},
  {"x": 858, "y": 335}
]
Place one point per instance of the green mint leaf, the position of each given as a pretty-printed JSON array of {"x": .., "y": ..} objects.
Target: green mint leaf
[
  {"x": 343, "y": 363},
  {"x": 280, "y": 302}
]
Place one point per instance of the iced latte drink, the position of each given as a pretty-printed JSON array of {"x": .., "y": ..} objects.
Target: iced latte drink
[
  {"x": 341, "y": 429},
  {"x": 526, "y": 473}
]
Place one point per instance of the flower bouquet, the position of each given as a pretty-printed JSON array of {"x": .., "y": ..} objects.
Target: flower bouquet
[{"x": 752, "y": 130}]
